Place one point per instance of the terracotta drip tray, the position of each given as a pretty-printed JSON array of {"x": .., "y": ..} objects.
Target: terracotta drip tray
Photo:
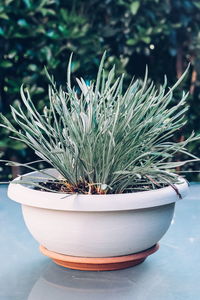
[{"x": 99, "y": 264}]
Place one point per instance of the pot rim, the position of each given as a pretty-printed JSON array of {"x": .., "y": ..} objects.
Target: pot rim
[{"x": 108, "y": 202}]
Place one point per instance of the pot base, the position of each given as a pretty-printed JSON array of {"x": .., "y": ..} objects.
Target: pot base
[{"x": 99, "y": 264}]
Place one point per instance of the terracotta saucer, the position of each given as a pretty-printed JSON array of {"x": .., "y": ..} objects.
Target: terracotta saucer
[{"x": 99, "y": 264}]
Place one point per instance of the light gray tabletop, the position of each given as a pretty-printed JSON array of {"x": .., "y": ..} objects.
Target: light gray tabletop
[{"x": 172, "y": 273}]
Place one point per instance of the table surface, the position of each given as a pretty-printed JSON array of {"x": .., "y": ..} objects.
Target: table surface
[{"x": 171, "y": 273}]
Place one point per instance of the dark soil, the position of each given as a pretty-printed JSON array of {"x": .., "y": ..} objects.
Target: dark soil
[{"x": 56, "y": 186}]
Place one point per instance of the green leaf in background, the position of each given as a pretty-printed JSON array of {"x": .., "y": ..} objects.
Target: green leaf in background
[
  {"x": 22, "y": 23},
  {"x": 1, "y": 31},
  {"x": 4, "y": 16},
  {"x": 134, "y": 7},
  {"x": 146, "y": 39},
  {"x": 6, "y": 64},
  {"x": 27, "y": 3},
  {"x": 197, "y": 4},
  {"x": 32, "y": 67},
  {"x": 131, "y": 42}
]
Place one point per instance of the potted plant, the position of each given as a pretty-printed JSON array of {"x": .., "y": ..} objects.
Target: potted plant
[{"x": 109, "y": 195}]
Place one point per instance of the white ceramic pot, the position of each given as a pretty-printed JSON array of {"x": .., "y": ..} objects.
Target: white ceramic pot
[{"x": 96, "y": 225}]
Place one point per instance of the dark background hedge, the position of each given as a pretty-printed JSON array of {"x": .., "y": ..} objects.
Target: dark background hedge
[{"x": 165, "y": 34}]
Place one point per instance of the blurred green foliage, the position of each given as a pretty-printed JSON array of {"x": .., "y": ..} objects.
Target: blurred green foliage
[{"x": 165, "y": 34}]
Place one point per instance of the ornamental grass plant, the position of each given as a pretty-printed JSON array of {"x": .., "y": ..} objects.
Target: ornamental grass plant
[{"x": 103, "y": 138}]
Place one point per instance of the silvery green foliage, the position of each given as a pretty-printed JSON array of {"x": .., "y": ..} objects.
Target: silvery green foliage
[{"x": 103, "y": 135}]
